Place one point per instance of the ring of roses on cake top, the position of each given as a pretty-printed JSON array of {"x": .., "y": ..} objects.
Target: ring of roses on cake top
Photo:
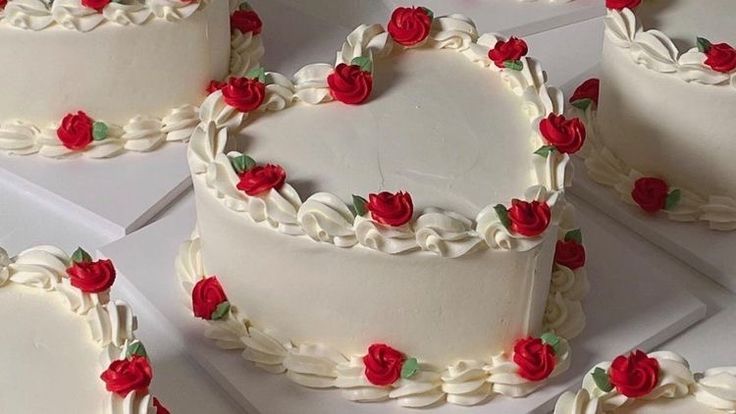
[
  {"x": 261, "y": 189},
  {"x": 86, "y": 284},
  {"x": 711, "y": 63},
  {"x": 79, "y": 133}
]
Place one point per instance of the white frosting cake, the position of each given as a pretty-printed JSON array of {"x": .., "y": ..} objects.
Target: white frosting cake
[
  {"x": 64, "y": 338},
  {"x": 658, "y": 383},
  {"x": 138, "y": 70},
  {"x": 667, "y": 98},
  {"x": 361, "y": 293}
]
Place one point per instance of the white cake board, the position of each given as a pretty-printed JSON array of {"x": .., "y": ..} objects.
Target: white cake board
[
  {"x": 119, "y": 195},
  {"x": 632, "y": 304}
]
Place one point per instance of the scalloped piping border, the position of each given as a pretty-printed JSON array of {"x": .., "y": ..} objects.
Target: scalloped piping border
[
  {"x": 83, "y": 305},
  {"x": 321, "y": 367},
  {"x": 664, "y": 57},
  {"x": 142, "y": 133},
  {"x": 281, "y": 209},
  {"x": 606, "y": 169}
]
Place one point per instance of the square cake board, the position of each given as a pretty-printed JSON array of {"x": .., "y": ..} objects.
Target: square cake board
[
  {"x": 708, "y": 251},
  {"x": 632, "y": 304},
  {"x": 118, "y": 195}
]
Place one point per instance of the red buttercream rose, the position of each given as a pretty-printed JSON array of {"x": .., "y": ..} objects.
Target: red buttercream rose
[
  {"x": 529, "y": 218},
  {"x": 3, "y": 3},
  {"x": 535, "y": 359},
  {"x": 622, "y": 4},
  {"x": 410, "y": 26},
  {"x": 261, "y": 179},
  {"x": 215, "y": 86},
  {"x": 567, "y": 136},
  {"x": 160, "y": 409},
  {"x": 590, "y": 89},
  {"x": 207, "y": 295},
  {"x": 391, "y": 209},
  {"x": 650, "y": 194},
  {"x": 570, "y": 254},
  {"x": 92, "y": 277},
  {"x": 721, "y": 57},
  {"x": 75, "y": 131},
  {"x": 350, "y": 84},
  {"x": 383, "y": 364},
  {"x": 95, "y": 4},
  {"x": 246, "y": 21},
  {"x": 512, "y": 49},
  {"x": 125, "y": 376},
  {"x": 243, "y": 94},
  {"x": 634, "y": 376}
]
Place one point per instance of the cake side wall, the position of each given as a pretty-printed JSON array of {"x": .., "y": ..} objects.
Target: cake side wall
[
  {"x": 350, "y": 298},
  {"x": 662, "y": 126},
  {"x": 114, "y": 72}
]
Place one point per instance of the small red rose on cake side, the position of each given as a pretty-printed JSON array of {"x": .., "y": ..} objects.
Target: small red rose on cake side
[
  {"x": 720, "y": 57},
  {"x": 246, "y": 21},
  {"x": 261, "y": 179},
  {"x": 570, "y": 253},
  {"x": 508, "y": 53},
  {"x": 160, "y": 409},
  {"x": 653, "y": 194},
  {"x": 622, "y": 4},
  {"x": 75, "y": 132},
  {"x": 3, "y": 3},
  {"x": 529, "y": 219},
  {"x": 244, "y": 94},
  {"x": 209, "y": 301},
  {"x": 587, "y": 93},
  {"x": 565, "y": 135},
  {"x": 90, "y": 276},
  {"x": 535, "y": 358},
  {"x": 128, "y": 375},
  {"x": 215, "y": 86},
  {"x": 634, "y": 376},
  {"x": 383, "y": 364},
  {"x": 350, "y": 84},
  {"x": 410, "y": 26},
  {"x": 391, "y": 209},
  {"x": 95, "y": 4}
]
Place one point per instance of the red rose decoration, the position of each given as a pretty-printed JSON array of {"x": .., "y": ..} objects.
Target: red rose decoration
[
  {"x": 567, "y": 136},
  {"x": 92, "y": 277},
  {"x": 383, "y": 364},
  {"x": 570, "y": 254},
  {"x": 350, "y": 84},
  {"x": 207, "y": 295},
  {"x": 510, "y": 50},
  {"x": 3, "y": 3},
  {"x": 529, "y": 219},
  {"x": 634, "y": 376},
  {"x": 650, "y": 194},
  {"x": 721, "y": 57},
  {"x": 215, "y": 86},
  {"x": 75, "y": 131},
  {"x": 622, "y": 4},
  {"x": 95, "y": 4},
  {"x": 259, "y": 180},
  {"x": 243, "y": 94},
  {"x": 536, "y": 360},
  {"x": 410, "y": 26},
  {"x": 590, "y": 89},
  {"x": 160, "y": 409},
  {"x": 391, "y": 209},
  {"x": 246, "y": 21},
  {"x": 125, "y": 376}
]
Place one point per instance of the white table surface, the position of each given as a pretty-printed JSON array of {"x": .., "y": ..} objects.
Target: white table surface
[{"x": 26, "y": 220}]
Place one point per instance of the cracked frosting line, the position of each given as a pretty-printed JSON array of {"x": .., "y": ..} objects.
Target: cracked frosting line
[
  {"x": 654, "y": 50},
  {"x": 607, "y": 169}
]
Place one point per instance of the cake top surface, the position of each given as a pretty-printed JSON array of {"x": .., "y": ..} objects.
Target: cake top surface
[{"x": 684, "y": 20}]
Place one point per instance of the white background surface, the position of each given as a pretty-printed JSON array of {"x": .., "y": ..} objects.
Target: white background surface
[{"x": 29, "y": 217}]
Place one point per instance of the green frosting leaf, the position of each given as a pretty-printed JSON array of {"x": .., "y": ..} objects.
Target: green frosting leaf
[
  {"x": 503, "y": 215},
  {"x": 575, "y": 235},
  {"x": 222, "y": 310},
  {"x": 513, "y": 65},
  {"x": 545, "y": 150},
  {"x": 136, "y": 349},
  {"x": 99, "y": 131},
  {"x": 365, "y": 63},
  {"x": 242, "y": 163},
  {"x": 429, "y": 12},
  {"x": 582, "y": 104},
  {"x": 410, "y": 368},
  {"x": 360, "y": 205},
  {"x": 258, "y": 73},
  {"x": 81, "y": 256},
  {"x": 673, "y": 199},
  {"x": 600, "y": 377},
  {"x": 704, "y": 45},
  {"x": 552, "y": 340}
]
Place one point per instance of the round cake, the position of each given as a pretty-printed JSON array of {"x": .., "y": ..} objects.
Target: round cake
[
  {"x": 394, "y": 224},
  {"x": 664, "y": 119}
]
